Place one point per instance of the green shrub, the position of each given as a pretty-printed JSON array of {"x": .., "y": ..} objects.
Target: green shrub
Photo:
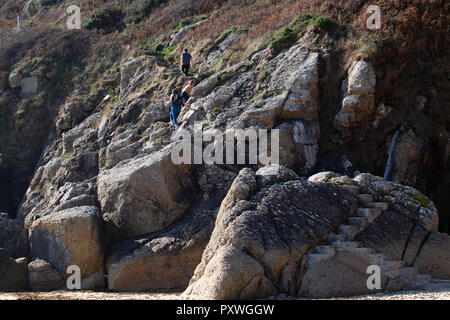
[
  {"x": 139, "y": 9},
  {"x": 323, "y": 23},
  {"x": 288, "y": 35},
  {"x": 109, "y": 20},
  {"x": 35, "y": 104},
  {"x": 180, "y": 26},
  {"x": 284, "y": 39}
]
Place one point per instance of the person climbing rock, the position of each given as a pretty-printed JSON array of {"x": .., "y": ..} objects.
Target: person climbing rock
[
  {"x": 176, "y": 102},
  {"x": 186, "y": 92},
  {"x": 186, "y": 62}
]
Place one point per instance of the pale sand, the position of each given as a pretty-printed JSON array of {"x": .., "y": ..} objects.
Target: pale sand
[{"x": 434, "y": 291}]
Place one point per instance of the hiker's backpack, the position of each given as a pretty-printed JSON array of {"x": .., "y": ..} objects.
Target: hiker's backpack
[{"x": 177, "y": 100}]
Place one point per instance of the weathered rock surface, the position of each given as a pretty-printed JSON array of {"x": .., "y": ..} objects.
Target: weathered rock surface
[
  {"x": 355, "y": 116},
  {"x": 65, "y": 177},
  {"x": 32, "y": 85},
  {"x": 144, "y": 195},
  {"x": 388, "y": 234},
  {"x": 179, "y": 35},
  {"x": 299, "y": 145},
  {"x": 128, "y": 70},
  {"x": 43, "y": 277},
  {"x": 249, "y": 256},
  {"x": 71, "y": 237},
  {"x": 221, "y": 48},
  {"x": 13, "y": 273},
  {"x": 434, "y": 257}
]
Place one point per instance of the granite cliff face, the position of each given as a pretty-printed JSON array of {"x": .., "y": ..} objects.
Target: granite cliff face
[{"x": 89, "y": 178}]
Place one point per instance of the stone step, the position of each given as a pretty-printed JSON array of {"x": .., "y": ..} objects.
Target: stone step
[
  {"x": 328, "y": 250},
  {"x": 395, "y": 265},
  {"x": 360, "y": 222},
  {"x": 445, "y": 281},
  {"x": 352, "y": 189},
  {"x": 316, "y": 257},
  {"x": 370, "y": 213},
  {"x": 337, "y": 237},
  {"x": 379, "y": 205},
  {"x": 348, "y": 230},
  {"x": 365, "y": 198},
  {"x": 365, "y": 252},
  {"x": 377, "y": 258},
  {"x": 408, "y": 272},
  {"x": 346, "y": 244},
  {"x": 421, "y": 280}
]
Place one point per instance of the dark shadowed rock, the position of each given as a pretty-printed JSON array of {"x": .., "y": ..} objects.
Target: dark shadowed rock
[
  {"x": 14, "y": 238},
  {"x": 416, "y": 239},
  {"x": 13, "y": 273},
  {"x": 434, "y": 257}
]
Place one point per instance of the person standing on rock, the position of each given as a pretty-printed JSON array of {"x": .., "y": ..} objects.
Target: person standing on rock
[
  {"x": 176, "y": 102},
  {"x": 186, "y": 62},
  {"x": 186, "y": 92}
]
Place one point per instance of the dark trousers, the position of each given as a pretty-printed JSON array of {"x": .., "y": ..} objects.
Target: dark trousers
[
  {"x": 185, "y": 69},
  {"x": 175, "y": 112}
]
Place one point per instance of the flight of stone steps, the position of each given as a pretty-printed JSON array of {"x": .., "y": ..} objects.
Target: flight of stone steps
[{"x": 368, "y": 211}]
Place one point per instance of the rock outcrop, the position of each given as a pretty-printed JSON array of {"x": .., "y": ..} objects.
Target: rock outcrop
[
  {"x": 262, "y": 233},
  {"x": 323, "y": 250}
]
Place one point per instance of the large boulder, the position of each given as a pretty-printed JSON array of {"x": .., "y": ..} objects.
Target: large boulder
[
  {"x": 261, "y": 235},
  {"x": 14, "y": 80},
  {"x": 43, "y": 277},
  {"x": 14, "y": 238},
  {"x": 434, "y": 257},
  {"x": 165, "y": 261},
  {"x": 13, "y": 273},
  {"x": 71, "y": 237},
  {"x": 144, "y": 195}
]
